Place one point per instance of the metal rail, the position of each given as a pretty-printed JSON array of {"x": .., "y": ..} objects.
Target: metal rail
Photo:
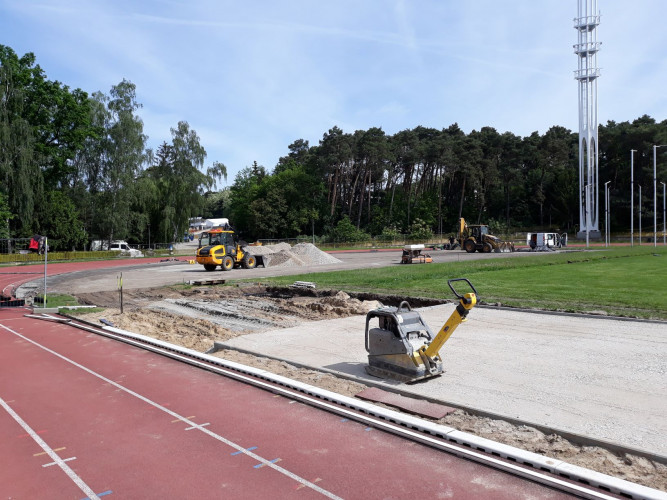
[{"x": 550, "y": 472}]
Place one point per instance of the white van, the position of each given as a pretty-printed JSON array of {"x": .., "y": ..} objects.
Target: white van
[
  {"x": 546, "y": 240},
  {"x": 120, "y": 246}
]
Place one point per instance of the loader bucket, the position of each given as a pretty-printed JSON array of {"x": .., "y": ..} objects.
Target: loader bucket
[{"x": 505, "y": 246}]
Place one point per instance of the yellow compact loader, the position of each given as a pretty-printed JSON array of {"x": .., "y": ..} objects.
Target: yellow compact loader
[
  {"x": 402, "y": 346},
  {"x": 220, "y": 247}
]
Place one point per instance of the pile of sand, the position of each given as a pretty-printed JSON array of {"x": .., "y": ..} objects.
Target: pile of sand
[{"x": 284, "y": 255}]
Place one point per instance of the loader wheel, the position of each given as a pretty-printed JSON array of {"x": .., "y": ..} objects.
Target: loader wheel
[
  {"x": 210, "y": 267},
  {"x": 486, "y": 248},
  {"x": 249, "y": 261},
  {"x": 469, "y": 246},
  {"x": 227, "y": 263}
]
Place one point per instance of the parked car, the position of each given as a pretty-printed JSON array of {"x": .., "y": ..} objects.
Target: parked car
[{"x": 116, "y": 246}]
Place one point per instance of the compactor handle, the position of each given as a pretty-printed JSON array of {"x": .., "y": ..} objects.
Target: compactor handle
[
  {"x": 407, "y": 306},
  {"x": 458, "y": 295}
]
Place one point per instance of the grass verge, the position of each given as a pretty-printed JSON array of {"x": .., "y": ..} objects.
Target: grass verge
[
  {"x": 55, "y": 300},
  {"x": 627, "y": 281},
  {"x": 64, "y": 303}
]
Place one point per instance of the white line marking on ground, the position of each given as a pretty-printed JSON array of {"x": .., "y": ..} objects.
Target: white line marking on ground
[
  {"x": 197, "y": 426},
  {"x": 55, "y": 463},
  {"x": 54, "y": 456},
  {"x": 215, "y": 436}
]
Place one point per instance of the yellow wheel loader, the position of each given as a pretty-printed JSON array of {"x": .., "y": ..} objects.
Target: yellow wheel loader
[
  {"x": 402, "y": 346},
  {"x": 220, "y": 247}
]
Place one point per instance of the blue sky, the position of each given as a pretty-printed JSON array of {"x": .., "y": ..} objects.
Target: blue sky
[{"x": 252, "y": 77}]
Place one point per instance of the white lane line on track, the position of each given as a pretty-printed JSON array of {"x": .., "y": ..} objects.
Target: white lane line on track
[
  {"x": 197, "y": 426},
  {"x": 215, "y": 436},
  {"x": 56, "y": 463},
  {"x": 54, "y": 456}
]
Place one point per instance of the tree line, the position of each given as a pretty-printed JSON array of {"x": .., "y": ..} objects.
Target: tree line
[
  {"x": 75, "y": 167},
  {"x": 423, "y": 180}
]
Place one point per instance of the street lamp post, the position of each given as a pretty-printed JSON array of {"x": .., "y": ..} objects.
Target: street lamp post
[
  {"x": 655, "y": 196},
  {"x": 149, "y": 235},
  {"x": 640, "y": 214},
  {"x": 664, "y": 214},
  {"x": 586, "y": 190},
  {"x": 607, "y": 240},
  {"x": 632, "y": 197}
]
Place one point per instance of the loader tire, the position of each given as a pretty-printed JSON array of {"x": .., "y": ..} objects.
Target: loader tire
[
  {"x": 210, "y": 267},
  {"x": 249, "y": 261},
  {"x": 486, "y": 248},
  {"x": 227, "y": 263},
  {"x": 469, "y": 246}
]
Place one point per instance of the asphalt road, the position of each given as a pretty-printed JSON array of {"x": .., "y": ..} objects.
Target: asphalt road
[{"x": 156, "y": 274}]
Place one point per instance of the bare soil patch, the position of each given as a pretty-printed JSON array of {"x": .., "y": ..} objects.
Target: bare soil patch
[{"x": 168, "y": 314}]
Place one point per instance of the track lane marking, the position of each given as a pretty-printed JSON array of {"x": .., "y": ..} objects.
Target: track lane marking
[
  {"x": 197, "y": 426},
  {"x": 55, "y": 463},
  {"x": 54, "y": 456},
  {"x": 259, "y": 466},
  {"x": 103, "y": 494},
  {"x": 248, "y": 449},
  {"x": 178, "y": 419},
  {"x": 183, "y": 419},
  {"x": 44, "y": 453},
  {"x": 316, "y": 480},
  {"x": 21, "y": 436}
]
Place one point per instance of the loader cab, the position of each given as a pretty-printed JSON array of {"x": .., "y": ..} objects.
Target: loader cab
[
  {"x": 479, "y": 231},
  {"x": 215, "y": 238}
]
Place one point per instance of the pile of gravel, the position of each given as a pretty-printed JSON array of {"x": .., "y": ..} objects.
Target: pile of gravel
[
  {"x": 312, "y": 255},
  {"x": 283, "y": 255},
  {"x": 266, "y": 249}
]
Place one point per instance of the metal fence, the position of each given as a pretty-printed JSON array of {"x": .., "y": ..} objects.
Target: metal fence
[{"x": 14, "y": 245}]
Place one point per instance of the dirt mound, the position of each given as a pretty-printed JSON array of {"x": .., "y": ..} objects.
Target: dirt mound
[
  {"x": 342, "y": 305},
  {"x": 267, "y": 249},
  {"x": 197, "y": 334},
  {"x": 230, "y": 310},
  {"x": 284, "y": 255}
]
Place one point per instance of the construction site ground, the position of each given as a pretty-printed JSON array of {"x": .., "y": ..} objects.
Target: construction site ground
[{"x": 596, "y": 377}]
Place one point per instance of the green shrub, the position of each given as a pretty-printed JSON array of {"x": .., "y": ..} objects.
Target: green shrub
[
  {"x": 346, "y": 231},
  {"x": 419, "y": 230}
]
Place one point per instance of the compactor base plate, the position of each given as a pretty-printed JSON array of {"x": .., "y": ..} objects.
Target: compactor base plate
[{"x": 388, "y": 374}]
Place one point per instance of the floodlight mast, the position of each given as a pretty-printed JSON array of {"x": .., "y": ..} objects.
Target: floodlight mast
[{"x": 587, "y": 74}]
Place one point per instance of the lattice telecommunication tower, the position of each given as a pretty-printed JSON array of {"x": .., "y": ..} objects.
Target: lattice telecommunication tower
[{"x": 587, "y": 75}]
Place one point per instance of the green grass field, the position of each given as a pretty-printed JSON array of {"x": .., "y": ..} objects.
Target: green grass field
[{"x": 627, "y": 281}]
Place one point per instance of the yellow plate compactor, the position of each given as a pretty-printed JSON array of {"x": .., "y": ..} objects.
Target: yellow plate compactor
[{"x": 403, "y": 347}]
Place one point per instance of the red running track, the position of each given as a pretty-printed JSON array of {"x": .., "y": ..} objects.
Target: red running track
[
  {"x": 13, "y": 276},
  {"x": 84, "y": 416}
]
